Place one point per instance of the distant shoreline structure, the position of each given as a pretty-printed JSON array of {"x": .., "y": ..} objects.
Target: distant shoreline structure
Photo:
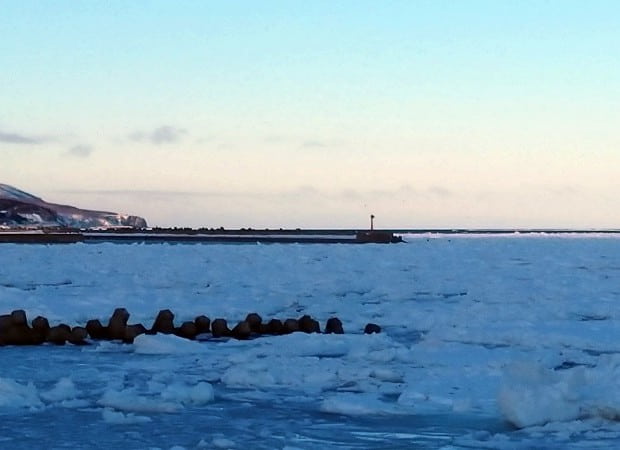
[
  {"x": 186, "y": 235},
  {"x": 128, "y": 235}
]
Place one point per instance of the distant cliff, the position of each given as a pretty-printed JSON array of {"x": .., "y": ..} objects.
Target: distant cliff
[{"x": 20, "y": 209}]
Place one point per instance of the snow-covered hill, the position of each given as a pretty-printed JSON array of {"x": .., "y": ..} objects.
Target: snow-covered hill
[{"x": 21, "y": 209}]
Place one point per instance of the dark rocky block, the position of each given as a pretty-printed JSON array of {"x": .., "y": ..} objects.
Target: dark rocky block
[
  {"x": 96, "y": 331},
  {"x": 121, "y": 315},
  {"x": 78, "y": 336},
  {"x": 290, "y": 326},
  {"x": 59, "y": 334},
  {"x": 187, "y": 330},
  {"x": 132, "y": 332},
  {"x": 372, "y": 328},
  {"x": 164, "y": 322},
  {"x": 334, "y": 325},
  {"x": 274, "y": 326},
  {"x": 18, "y": 317},
  {"x": 242, "y": 330},
  {"x": 14, "y": 329},
  {"x": 203, "y": 324},
  {"x": 17, "y": 335},
  {"x": 5, "y": 321},
  {"x": 40, "y": 328},
  {"x": 219, "y": 328},
  {"x": 118, "y": 323},
  {"x": 308, "y": 325},
  {"x": 40, "y": 323},
  {"x": 255, "y": 321}
]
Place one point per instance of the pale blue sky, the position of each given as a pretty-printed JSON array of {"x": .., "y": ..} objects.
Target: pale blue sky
[{"x": 315, "y": 114}]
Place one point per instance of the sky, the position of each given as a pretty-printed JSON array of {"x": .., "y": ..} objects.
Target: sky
[{"x": 486, "y": 114}]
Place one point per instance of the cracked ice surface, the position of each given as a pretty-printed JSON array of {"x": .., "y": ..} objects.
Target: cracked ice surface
[{"x": 504, "y": 341}]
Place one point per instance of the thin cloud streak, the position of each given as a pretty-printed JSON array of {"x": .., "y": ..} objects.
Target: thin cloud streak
[
  {"x": 80, "y": 151},
  {"x": 165, "y": 134},
  {"x": 21, "y": 139}
]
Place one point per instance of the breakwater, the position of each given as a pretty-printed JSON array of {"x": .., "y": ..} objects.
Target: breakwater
[
  {"x": 189, "y": 237},
  {"x": 16, "y": 330}
]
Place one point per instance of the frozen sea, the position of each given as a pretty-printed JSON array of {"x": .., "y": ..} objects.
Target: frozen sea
[{"x": 507, "y": 341}]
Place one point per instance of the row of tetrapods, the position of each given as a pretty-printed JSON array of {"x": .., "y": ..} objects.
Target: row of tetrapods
[{"x": 15, "y": 330}]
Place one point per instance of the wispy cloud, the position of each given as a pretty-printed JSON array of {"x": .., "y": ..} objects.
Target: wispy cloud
[
  {"x": 80, "y": 151},
  {"x": 22, "y": 139},
  {"x": 165, "y": 134}
]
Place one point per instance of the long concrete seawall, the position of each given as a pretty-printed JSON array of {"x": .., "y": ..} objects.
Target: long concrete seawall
[{"x": 189, "y": 238}]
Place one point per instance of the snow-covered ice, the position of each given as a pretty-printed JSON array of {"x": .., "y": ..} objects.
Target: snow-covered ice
[{"x": 488, "y": 341}]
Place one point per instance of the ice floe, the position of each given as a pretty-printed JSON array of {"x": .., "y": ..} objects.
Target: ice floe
[{"x": 491, "y": 342}]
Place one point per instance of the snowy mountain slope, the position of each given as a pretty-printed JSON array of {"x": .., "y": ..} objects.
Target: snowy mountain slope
[
  {"x": 19, "y": 208},
  {"x": 10, "y": 192}
]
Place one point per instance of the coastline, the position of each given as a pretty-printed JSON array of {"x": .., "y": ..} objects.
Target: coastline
[{"x": 275, "y": 236}]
